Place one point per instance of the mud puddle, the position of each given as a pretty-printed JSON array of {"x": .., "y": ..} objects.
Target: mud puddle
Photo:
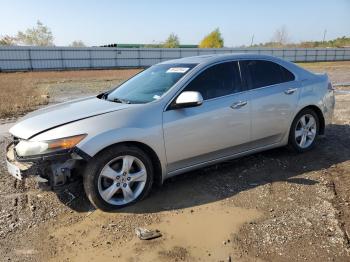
[{"x": 203, "y": 233}]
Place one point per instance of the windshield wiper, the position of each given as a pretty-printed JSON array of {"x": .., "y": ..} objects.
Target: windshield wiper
[{"x": 119, "y": 100}]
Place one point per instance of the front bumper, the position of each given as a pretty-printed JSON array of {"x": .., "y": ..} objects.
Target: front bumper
[
  {"x": 52, "y": 171},
  {"x": 15, "y": 168}
]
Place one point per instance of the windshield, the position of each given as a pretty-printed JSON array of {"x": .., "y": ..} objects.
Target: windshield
[{"x": 150, "y": 84}]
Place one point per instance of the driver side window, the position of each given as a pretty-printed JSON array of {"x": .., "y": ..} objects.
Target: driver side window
[{"x": 219, "y": 80}]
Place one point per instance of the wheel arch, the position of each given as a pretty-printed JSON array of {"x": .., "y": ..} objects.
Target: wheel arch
[
  {"x": 158, "y": 177},
  {"x": 320, "y": 116}
]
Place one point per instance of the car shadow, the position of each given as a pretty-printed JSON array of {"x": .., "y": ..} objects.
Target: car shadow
[{"x": 229, "y": 178}]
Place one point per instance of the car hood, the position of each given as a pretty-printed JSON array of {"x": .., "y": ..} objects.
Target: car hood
[{"x": 53, "y": 116}]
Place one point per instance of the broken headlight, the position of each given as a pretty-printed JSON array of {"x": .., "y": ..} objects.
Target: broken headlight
[{"x": 31, "y": 148}]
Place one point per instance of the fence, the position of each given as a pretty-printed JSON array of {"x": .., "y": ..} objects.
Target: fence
[{"x": 68, "y": 58}]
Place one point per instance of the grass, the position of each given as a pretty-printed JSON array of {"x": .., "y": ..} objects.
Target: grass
[
  {"x": 25, "y": 91},
  {"x": 325, "y": 65},
  {"x": 19, "y": 95}
]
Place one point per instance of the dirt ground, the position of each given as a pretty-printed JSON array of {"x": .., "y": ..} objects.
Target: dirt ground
[
  {"x": 271, "y": 206},
  {"x": 22, "y": 92}
]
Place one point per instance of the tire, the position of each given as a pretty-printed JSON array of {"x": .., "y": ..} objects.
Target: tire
[
  {"x": 300, "y": 132},
  {"x": 109, "y": 177}
]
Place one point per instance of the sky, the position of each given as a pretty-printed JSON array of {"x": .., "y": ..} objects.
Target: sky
[{"x": 99, "y": 22}]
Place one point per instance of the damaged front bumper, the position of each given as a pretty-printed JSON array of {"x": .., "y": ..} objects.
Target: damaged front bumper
[
  {"x": 15, "y": 168},
  {"x": 52, "y": 171}
]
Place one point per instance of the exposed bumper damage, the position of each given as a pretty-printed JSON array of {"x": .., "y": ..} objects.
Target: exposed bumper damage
[
  {"x": 12, "y": 163},
  {"x": 52, "y": 171}
]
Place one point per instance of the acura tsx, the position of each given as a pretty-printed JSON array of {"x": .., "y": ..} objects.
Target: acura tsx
[{"x": 171, "y": 118}]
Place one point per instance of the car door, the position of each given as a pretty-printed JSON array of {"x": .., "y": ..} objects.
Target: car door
[
  {"x": 274, "y": 95},
  {"x": 217, "y": 128}
]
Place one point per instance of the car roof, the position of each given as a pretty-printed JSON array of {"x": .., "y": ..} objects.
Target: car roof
[{"x": 204, "y": 59}]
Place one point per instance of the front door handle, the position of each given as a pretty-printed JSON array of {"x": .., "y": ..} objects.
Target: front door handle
[
  {"x": 290, "y": 91},
  {"x": 238, "y": 104}
]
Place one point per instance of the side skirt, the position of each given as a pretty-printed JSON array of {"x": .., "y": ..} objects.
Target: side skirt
[{"x": 221, "y": 159}]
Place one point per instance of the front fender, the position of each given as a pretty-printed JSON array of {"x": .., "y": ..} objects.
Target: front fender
[
  {"x": 151, "y": 137},
  {"x": 143, "y": 126}
]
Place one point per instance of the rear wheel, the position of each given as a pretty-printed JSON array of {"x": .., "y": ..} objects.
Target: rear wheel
[
  {"x": 304, "y": 130},
  {"x": 117, "y": 177}
]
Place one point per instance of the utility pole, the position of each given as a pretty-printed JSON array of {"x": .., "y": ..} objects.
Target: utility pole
[
  {"x": 251, "y": 43},
  {"x": 324, "y": 35}
]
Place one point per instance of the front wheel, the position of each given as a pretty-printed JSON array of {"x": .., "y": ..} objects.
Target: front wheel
[
  {"x": 117, "y": 177},
  {"x": 304, "y": 130}
]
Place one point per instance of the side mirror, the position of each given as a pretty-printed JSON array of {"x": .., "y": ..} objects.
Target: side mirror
[{"x": 188, "y": 99}]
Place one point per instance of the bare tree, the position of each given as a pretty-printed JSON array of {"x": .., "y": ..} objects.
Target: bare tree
[
  {"x": 7, "y": 40},
  {"x": 77, "y": 43},
  {"x": 40, "y": 35},
  {"x": 281, "y": 36}
]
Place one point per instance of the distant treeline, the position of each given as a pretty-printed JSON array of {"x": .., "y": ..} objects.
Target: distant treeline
[
  {"x": 41, "y": 35},
  {"x": 335, "y": 43}
]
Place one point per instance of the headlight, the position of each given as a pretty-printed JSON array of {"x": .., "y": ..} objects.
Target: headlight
[{"x": 32, "y": 148}]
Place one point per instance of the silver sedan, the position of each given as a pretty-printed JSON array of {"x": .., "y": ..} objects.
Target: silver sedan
[{"x": 171, "y": 118}]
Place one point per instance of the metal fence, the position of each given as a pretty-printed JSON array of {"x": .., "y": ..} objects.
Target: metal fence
[{"x": 69, "y": 58}]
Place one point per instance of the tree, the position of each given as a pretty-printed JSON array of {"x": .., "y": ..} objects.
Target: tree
[
  {"x": 172, "y": 41},
  {"x": 40, "y": 35},
  {"x": 212, "y": 40},
  {"x": 334, "y": 43},
  {"x": 77, "y": 43},
  {"x": 280, "y": 36},
  {"x": 7, "y": 40}
]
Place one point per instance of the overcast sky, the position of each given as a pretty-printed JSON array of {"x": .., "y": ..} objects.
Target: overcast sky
[{"x": 140, "y": 21}]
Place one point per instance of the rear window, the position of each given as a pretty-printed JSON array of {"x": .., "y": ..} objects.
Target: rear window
[
  {"x": 260, "y": 73},
  {"x": 287, "y": 75}
]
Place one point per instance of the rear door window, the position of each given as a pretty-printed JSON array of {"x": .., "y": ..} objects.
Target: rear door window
[{"x": 260, "y": 73}]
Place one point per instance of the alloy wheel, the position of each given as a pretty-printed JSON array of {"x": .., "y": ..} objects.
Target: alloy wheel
[
  {"x": 305, "y": 131},
  {"x": 122, "y": 180}
]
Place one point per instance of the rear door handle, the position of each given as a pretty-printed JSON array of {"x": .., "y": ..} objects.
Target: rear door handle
[
  {"x": 290, "y": 91},
  {"x": 238, "y": 104}
]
